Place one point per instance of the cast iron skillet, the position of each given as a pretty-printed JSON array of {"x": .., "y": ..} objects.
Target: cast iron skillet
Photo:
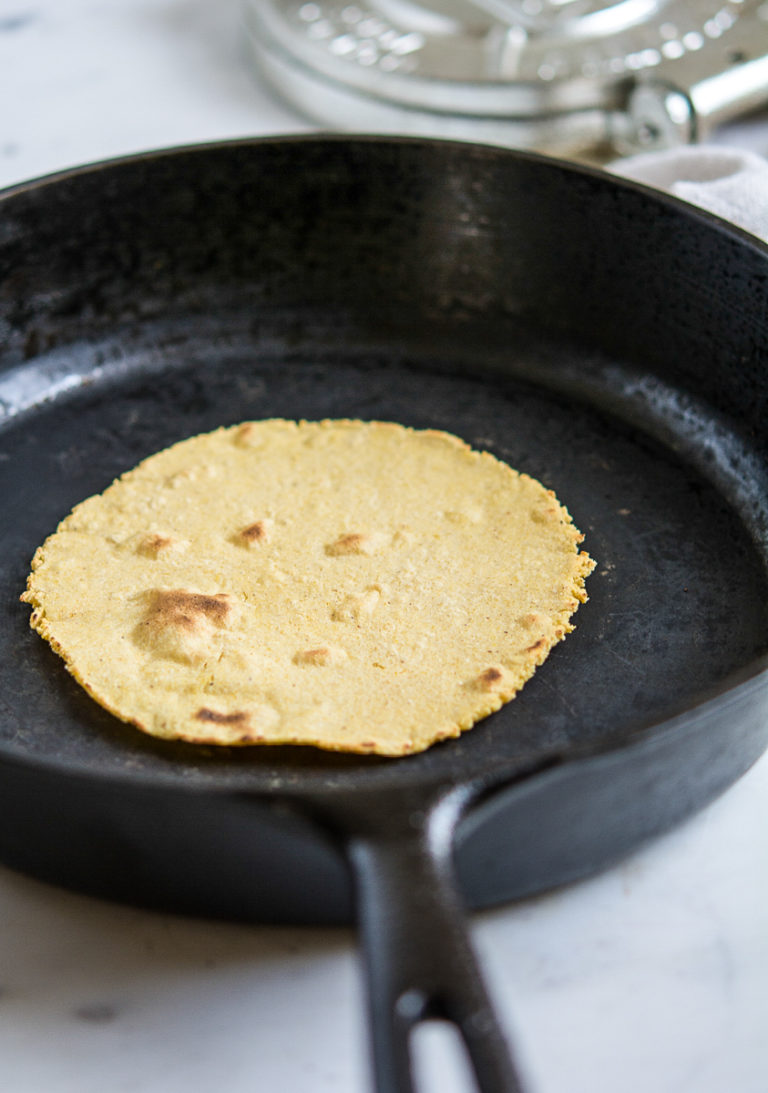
[{"x": 608, "y": 341}]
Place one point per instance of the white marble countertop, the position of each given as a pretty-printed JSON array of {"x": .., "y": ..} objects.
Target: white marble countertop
[{"x": 651, "y": 977}]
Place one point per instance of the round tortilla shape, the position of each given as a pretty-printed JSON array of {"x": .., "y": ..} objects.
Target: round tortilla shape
[{"x": 357, "y": 586}]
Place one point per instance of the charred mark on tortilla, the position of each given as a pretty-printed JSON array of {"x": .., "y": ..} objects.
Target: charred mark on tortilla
[{"x": 236, "y": 718}]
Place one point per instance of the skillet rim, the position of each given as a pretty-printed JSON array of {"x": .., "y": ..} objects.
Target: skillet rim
[
  {"x": 327, "y": 137},
  {"x": 736, "y": 684}
]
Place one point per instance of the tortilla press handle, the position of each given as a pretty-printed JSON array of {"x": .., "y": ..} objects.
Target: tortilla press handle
[{"x": 418, "y": 958}]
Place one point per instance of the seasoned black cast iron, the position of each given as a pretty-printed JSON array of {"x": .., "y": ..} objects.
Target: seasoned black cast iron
[{"x": 609, "y": 342}]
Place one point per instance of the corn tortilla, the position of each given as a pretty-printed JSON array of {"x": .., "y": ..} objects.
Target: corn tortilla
[{"x": 357, "y": 586}]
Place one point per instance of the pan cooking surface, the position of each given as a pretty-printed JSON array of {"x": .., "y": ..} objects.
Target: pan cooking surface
[{"x": 677, "y": 603}]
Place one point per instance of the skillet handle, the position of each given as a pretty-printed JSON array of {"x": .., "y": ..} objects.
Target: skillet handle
[{"x": 418, "y": 958}]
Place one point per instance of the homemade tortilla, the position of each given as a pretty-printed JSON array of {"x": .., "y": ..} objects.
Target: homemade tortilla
[{"x": 360, "y": 587}]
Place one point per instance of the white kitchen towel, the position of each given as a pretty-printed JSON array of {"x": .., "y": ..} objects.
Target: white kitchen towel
[{"x": 729, "y": 182}]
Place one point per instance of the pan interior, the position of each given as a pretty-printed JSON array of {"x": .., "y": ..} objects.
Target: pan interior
[{"x": 676, "y": 562}]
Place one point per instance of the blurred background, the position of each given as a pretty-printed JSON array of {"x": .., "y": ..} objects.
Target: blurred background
[{"x": 82, "y": 80}]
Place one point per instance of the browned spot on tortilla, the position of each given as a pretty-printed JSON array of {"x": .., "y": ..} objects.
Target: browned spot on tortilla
[
  {"x": 320, "y": 656},
  {"x": 490, "y": 675},
  {"x": 182, "y": 610},
  {"x": 153, "y": 544},
  {"x": 536, "y": 645},
  {"x": 533, "y": 618},
  {"x": 247, "y": 434},
  {"x": 180, "y": 625},
  {"x": 204, "y": 714},
  {"x": 255, "y": 533},
  {"x": 489, "y": 679},
  {"x": 352, "y": 542}
]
